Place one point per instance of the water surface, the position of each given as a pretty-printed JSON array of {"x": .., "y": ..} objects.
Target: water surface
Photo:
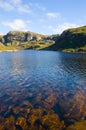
[{"x": 46, "y": 81}]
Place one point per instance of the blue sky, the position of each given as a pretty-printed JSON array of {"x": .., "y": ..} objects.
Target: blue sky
[{"x": 42, "y": 16}]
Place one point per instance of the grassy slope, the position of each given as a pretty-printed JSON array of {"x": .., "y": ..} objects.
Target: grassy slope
[
  {"x": 71, "y": 40},
  {"x": 30, "y": 45},
  {"x": 6, "y": 48},
  {"x": 18, "y": 40}
]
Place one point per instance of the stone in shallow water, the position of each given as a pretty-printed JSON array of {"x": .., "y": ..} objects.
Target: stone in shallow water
[
  {"x": 28, "y": 110},
  {"x": 7, "y": 123},
  {"x": 38, "y": 98},
  {"x": 36, "y": 114},
  {"x": 78, "y": 126},
  {"x": 28, "y": 104},
  {"x": 41, "y": 119},
  {"x": 52, "y": 99},
  {"x": 73, "y": 108},
  {"x": 52, "y": 122},
  {"x": 21, "y": 122}
]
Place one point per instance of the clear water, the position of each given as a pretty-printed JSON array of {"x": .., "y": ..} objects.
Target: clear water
[{"x": 45, "y": 79}]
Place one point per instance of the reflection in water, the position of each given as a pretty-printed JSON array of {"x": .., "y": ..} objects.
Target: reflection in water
[{"x": 42, "y": 90}]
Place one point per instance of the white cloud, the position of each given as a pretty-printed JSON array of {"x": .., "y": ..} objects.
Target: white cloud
[
  {"x": 5, "y": 5},
  {"x": 24, "y": 9},
  {"x": 37, "y": 6},
  {"x": 20, "y": 6},
  {"x": 16, "y": 1},
  {"x": 60, "y": 28},
  {"x": 17, "y": 24},
  {"x": 40, "y": 7},
  {"x": 15, "y": 5},
  {"x": 53, "y": 15}
]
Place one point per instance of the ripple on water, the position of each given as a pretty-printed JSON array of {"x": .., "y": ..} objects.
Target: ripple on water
[{"x": 50, "y": 83}]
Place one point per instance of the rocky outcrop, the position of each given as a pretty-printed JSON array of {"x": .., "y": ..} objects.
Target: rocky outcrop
[
  {"x": 21, "y": 36},
  {"x": 53, "y": 37},
  {"x": 16, "y": 37},
  {"x": 17, "y": 40},
  {"x": 1, "y": 39}
]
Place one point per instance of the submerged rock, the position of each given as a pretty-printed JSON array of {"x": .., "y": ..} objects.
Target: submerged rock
[
  {"x": 78, "y": 126},
  {"x": 21, "y": 123},
  {"x": 73, "y": 108},
  {"x": 7, "y": 123},
  {"x": 51, "y": 121}
]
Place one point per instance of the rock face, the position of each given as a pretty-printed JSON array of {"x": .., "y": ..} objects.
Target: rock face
[
  {"x": 1, "y": 39},
  {"x": 21, "y": 36},
  {"x": 53, "y": 37},
  {"x": 16, "y": 38}
]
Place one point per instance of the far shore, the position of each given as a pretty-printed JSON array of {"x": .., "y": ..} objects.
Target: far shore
[
  {"x": 8, "y": 50},
  {"x": 46, "y": 50}
]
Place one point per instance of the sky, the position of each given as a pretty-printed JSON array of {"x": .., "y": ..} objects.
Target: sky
[{"x": 41, "y": 16}]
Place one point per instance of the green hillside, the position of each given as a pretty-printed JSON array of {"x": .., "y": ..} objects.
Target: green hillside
[
  {"x": 17, "y": 40},
  {"x": 71, "y": 40}
]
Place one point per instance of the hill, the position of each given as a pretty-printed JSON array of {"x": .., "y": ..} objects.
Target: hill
[
  {"x": 71, "y": 40},
  {"x": 25, "y": 40}
]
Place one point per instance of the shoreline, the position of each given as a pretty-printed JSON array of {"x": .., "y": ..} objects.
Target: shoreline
[
  {"x": 40, "y": 50},
  {"x": 9, "y": 50}
]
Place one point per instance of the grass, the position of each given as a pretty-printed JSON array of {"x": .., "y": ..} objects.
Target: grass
[
  {"x": 79, "y": 30},
  {"x": 23, "y": 46},
  {"x": 71, "y": 40}
]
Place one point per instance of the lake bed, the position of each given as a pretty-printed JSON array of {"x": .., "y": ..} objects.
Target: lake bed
[{"x": 42, "y": 90}]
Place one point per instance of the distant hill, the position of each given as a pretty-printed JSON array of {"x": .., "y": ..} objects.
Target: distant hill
[
  {"x": 71, "y": 40},
  {"x": 25, "y": 40},
  {"x": 18, "y": 36}
]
